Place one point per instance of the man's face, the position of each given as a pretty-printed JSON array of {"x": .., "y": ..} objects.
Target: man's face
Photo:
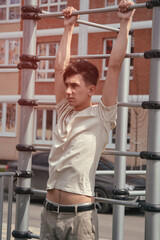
[{"x": 77, "y": 93}]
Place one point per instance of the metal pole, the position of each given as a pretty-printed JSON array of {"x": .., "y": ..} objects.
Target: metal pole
[
  {"x": 26, "y": 122},
  {"x": 45, "y": 14},
  {"x": 152, "y": 219},
  {"x": 122, "y": 153},
  {"x": 121, "y": 144},
  {"x": 90, "y": 56},
  {"x": 8, "y": 66},
  {"x": 1, "y": 203},
  {"x": 10, "y": 198},
  {"x": 98, "y": 25}
]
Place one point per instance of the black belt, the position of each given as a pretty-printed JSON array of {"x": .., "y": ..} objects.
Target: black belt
[{"x": 58, "y": 208}]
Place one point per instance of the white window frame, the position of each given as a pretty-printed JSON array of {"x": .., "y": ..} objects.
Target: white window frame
[
  {"x": 7, "y": 51},
  {"x": 49, "y": 4},
  {"x": 46, "y": 70},
  {"x": 7, "y": 6},
  {"x": 43, "y": 141},
  {"x": 115, "y": 3},
  {"x": 3, "y": 133}
]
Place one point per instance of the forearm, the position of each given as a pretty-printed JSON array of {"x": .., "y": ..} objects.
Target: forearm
[
  {"x": 64, "y": 50},
  {"x": 119, "y": 49}
]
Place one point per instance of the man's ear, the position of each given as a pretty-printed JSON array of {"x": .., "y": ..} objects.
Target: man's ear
[{"x": 92, "y": 89}]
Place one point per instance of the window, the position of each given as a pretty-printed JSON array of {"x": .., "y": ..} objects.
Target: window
[
  {"x": 9, "y": 51},
  {"x": 107, "y": 47},
  {"x": 8, "y": 118},
  {"x": 10, "y": 10},
  {"x": 132, "y": 59},
  {"x": 110, "y": 3},
  {"x": 45, "y": 121},
  {"x": 53, "y": 5},
  {"x": 45, "y": 71}
]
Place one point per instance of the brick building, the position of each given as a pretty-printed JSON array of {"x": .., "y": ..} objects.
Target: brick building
[{"x": 86, "y": 40}]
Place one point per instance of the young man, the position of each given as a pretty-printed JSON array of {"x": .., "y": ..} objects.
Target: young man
[{"x": 80, "y": 135}]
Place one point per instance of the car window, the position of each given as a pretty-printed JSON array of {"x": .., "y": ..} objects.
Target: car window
[
  {"x": 105, "y": 165},
  {"x": 40, "y": 159}
]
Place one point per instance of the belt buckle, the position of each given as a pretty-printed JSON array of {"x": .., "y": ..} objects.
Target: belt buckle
[{"x": 57, "y": 211}]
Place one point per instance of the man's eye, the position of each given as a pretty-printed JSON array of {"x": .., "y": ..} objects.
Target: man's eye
[{"x": 74, "y": 85}]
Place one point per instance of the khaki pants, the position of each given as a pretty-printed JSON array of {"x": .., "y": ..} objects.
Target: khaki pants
[{"x": 69, "y": 226}]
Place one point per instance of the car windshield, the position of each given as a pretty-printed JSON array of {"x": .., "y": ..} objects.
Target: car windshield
[{"x": 105, "y": 164}]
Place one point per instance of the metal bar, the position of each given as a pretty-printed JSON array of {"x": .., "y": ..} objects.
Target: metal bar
[
  {"x": 37, "y": 191},
  {"x": 124, "y": 104},
  {"x": 46, "y": 14},
  {"x": 1, "y": 204},
  {"x": 137, "y": 193},
  {"x": 121, "y": 145},
  {"x": 118, "y": 202},
  {"x": 128, "y": 172},
  {"x": 8, "y": 66},
  {"x": 46, "y": 103},
  {"x": 152, "y": 219},
  {"x": 98, "y": 25},
  {"x": 121, "y": 153},
  {"x": 92, "y": 56},
  {"x": 40, "y": 148},
  {"x": 7, "y": 174},
  {"x": 129, "y": 104},
  {"x": 10, "y": 198},
  {"x": 26, "y": 122}
]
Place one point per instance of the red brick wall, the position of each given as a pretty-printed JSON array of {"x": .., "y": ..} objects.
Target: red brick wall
[{"x": 141, "y": 73}]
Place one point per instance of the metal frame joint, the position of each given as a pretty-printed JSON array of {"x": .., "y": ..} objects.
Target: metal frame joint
[
  {"x": 120, "y": 194},
  {"x": 25, "y": 148},
  {"x": 24, "y": 174},
  {"x": 155, "y": 53},
  {"x": 150, "y": 155},
  {"x": 151, "y": 105},
  {"x": 22, "y": 234},
  {"x": 22, "y": 190},
  {"x": 148, "y": 207},
  {"x": 152, "y": 3},
  {"x": 27, "y": 65},
  {"x": 28, "y": 102},
  {"x": 30, "y": 12}
]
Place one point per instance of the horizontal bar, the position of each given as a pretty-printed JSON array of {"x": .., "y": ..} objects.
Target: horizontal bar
[
  {"x": 8, "y": 66},
  {"x": 124, "y": 104},
  {"x": 45, "y": 14},
  {"x": 98, "y": 25},
  {"x": 118, "y": 202},
  {"x": 39, "y": 148},
  {"x": 106, "y": 152},
  {"x": 7, "y": 174},
  {"x": 129, "y": 104},
  {"x": 40, "y": 192},
  {"x": 128, "y": 172},
  {"x": 96, "y": 56},
  {"x": 121, "y": 153},
  {"x": 137, "y": 193},
  {"x": 46, "y": 103}
]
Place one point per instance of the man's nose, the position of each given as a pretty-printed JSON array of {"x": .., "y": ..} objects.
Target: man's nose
[{"x": 68, "y": 90}]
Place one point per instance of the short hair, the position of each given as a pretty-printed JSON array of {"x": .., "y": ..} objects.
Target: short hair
[{"x": 87, "y": 70}]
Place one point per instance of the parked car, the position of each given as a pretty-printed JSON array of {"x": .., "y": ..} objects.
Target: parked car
[{"x": 103, "y": 183}]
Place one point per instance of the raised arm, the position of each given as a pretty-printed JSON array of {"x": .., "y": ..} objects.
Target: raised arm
[
  {"x": 63, "y": 54},
  {"x": 110, "y": 90}
]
